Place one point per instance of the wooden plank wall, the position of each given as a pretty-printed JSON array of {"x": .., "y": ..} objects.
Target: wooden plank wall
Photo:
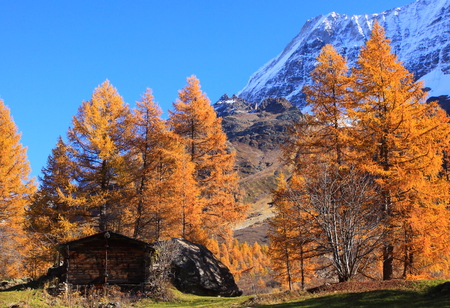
[{"x": 127, "y": 264}]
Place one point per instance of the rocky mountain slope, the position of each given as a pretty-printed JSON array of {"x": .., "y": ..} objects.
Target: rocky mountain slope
[
  {"x": 256, "y": 133},
  {"x": 419, "y": 33}
]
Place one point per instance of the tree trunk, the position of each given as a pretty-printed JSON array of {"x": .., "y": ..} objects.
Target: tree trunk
[{"x": 388, "y": 258}]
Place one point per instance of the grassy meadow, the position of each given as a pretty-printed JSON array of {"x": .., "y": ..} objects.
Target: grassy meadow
[{"x": 424, "y": 293}]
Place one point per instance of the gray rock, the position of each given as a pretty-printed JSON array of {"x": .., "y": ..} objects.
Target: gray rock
[
  {"x": 275, "y": 105},
  {"x": 198, "y": 271}
]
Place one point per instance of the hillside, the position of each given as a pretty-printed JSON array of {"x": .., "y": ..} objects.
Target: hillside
[{"x": 256, "y": 133}]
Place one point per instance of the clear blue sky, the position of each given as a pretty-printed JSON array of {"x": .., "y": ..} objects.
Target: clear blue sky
[{"x": 55, "y": 53}]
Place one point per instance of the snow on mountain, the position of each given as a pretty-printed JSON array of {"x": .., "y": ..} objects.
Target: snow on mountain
[
  {"x": 230, "y": 105},
  {"x": 419, "y": 34}
]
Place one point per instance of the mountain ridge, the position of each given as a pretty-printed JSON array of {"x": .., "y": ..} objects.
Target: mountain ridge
[{"x": 419, "y": 34}]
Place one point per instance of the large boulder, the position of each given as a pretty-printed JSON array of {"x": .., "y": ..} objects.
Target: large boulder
[{"x": 197, "y": 271}]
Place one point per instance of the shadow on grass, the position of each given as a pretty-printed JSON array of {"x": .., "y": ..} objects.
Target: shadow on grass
[
  {"x": 35, "y": 284},
  {"x": 378, "y": 298}
]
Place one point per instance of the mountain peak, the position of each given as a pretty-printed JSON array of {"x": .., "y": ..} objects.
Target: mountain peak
[
  {"x": 419, "y": 34},
  {"x": 230, "y": 105}
]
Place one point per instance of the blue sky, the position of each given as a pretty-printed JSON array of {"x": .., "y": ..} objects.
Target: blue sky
[{"x": 55, "y": 53}]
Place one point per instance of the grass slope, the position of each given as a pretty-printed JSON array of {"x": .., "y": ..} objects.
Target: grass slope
[{"x": 426, "y": 293}]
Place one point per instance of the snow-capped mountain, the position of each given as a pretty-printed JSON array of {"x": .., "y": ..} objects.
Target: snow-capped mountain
[{"x": 419, "y": 34}]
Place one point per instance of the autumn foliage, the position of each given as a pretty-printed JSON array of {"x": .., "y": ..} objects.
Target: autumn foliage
[
  {"x": 130, "y": 171},
  {"x": 250, "y": 264},
  {"x": 378, "y": 192},
  {"x": 16, "y": 188},
  {"x": 195, "y": 121}
]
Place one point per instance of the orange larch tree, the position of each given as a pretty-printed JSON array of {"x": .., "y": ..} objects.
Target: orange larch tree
[
  {"x": 329, "y": 100},
  {"x": 147, "y": 144},
  {"x": 164, "y": 204},
  {"x": 195, "y": 121},
  {"x": 16, "y": 189},
  {"x": 187, "y": 194},
  {"x": 291, "y": 240},
  {"x": 399, "y": 139},
  {"x": 97, "y": 142},
  {"x": 50, "y": 220}
]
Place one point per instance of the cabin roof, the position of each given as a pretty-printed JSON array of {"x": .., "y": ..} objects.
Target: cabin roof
[{"x": 100, "y": 238}]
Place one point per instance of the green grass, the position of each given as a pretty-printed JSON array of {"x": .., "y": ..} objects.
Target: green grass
[
  {"x": 187, "y": 300},
  {"x": 423, "y": 293},
  {"x": 26, "y": 298},
  {"x": 32, "y": 298}
]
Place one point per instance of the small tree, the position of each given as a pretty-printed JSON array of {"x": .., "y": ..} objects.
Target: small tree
[
  {"x": 291, "y": 244},
  {"x": 347, "y": 227},
  {"x": 161, "y": 268}
]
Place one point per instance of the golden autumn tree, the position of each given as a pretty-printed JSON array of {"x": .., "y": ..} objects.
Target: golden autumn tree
[
  {"x": 187, "y": 194},
  {"x": 399, "y": 139},
  {"x": 288, "y": 240},
  {"x": 47, "y": 214},
  {"x": 164, "y": 204},
  {"x": 16, "y": 189},
  {"x": 320, "y": 138},
  {"x": 333, "y": 203},
  {"x": 325, "y": 131},
  {"x": 98, "y": 147},
  {"x": 147, "y": 144},
  {"x": 195, "y": 121},
  {"x": 50, "y": 219}
]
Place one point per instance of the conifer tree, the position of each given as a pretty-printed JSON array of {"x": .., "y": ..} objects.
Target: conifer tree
[
  {"x": 399, "y": 139},
  {"x": 50, "y": 219},
  {"x": 291, "y": 234},
  {"x": 97, "y": 142},
  {"x": 195, "y": 121},
  {"x": 147, "y": 145},
  {"x": 283, "y": 234},
  {"x": 166, "y": 191},
  {"x": 48, "y": 208},
  {"x": 328, "y": 97},
  {"x": 188, "y": 194},
  {"x": 16, "y": 189}
]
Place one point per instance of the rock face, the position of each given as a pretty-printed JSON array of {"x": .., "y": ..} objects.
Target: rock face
[
  {"x": 197, "y": 271},
  {"x": 232, "y": 105},
  {"x": 419, "y": 34}
]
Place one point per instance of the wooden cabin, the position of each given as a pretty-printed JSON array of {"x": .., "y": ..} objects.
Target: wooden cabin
[{"x": 105, "y": 258}]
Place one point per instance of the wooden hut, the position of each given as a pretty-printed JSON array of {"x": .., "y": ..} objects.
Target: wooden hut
[{"x": 105, "y": 258}]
